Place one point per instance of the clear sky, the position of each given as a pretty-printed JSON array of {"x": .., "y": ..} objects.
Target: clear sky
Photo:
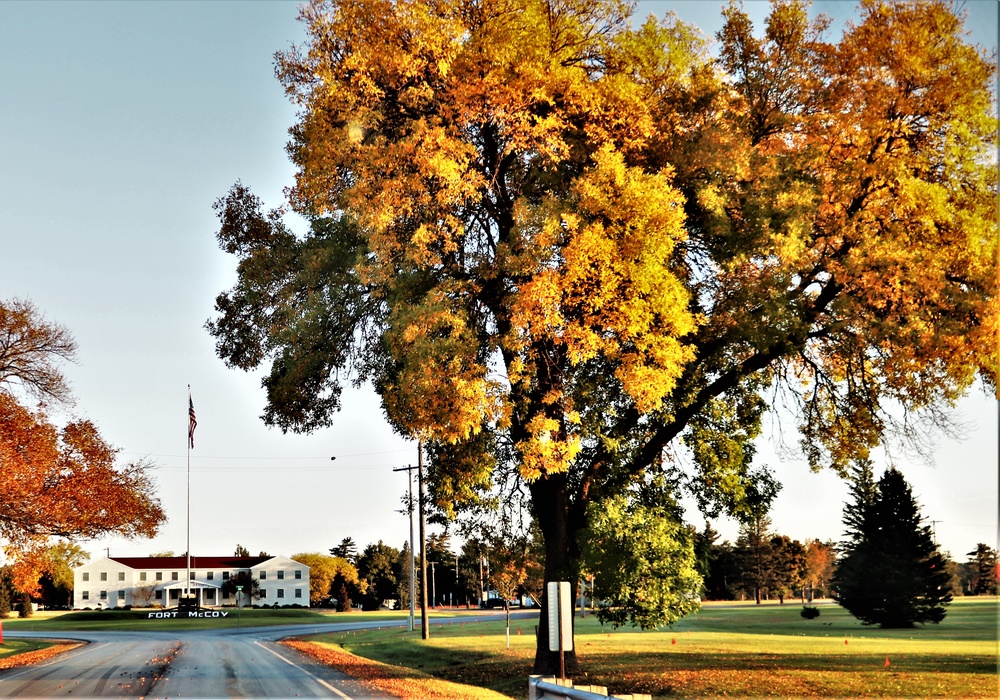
[{"x": 120, "y": 124}]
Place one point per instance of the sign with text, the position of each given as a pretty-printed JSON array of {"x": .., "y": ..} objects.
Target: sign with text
[
  {"x": 172, "y": 614},
  {"x": 560, "y": 609}
]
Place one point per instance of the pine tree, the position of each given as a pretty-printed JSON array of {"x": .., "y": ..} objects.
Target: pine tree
[
  {"x": 983, "y": 564},
  {"x": 6, "y": 593},
  {"x": 346, "y": 550},
  {"x": 892, "y": 573}
]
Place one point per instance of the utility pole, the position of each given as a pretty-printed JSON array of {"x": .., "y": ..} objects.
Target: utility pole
[
  {"x": 409, "y": 507},
  {"x": 934, "y": 530},
  {"x": 425, "y": 630}
]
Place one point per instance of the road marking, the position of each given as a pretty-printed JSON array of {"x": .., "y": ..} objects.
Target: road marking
[{"x": 322, "y": 682}]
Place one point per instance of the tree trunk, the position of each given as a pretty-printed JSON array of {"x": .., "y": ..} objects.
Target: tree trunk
[
  {"x": 560, "y": 524},
  {"x": 506, "y": 608}
]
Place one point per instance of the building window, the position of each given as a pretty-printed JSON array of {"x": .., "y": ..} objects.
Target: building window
[
  {"x": 210, "y": 575},
  {"x": 225, "y": 575},
  {"x": 281, "y": 592},
  {"x": 121, "y": 595},
  {"x": 263, "y": 593},
  {"x": 104, "y": 575},
  {"x": 86, "y": 575},
  {"x": 159, "y": 594},
  {"x": 174, "y": 576},
  {"x": 209, "y": 594},
  {"x": 281, "y": 574},
  {"x": 298, "y": 592},
  {"x": 104, "y": 595},
  {"x": 159, "y": 575},
  {"x": 121, "y": 575},
  {"x": 263, "y": 575},
  {"x": 193, "y": 575},
  {"x": 86, "y": 595},
  {"x": 298, "y": 574},
  {"x": 142, "y": 575},
  {"x": 175, "y": 594}
]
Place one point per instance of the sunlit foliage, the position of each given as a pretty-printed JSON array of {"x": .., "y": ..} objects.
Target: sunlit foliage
[{"x": 557, "y": 242}]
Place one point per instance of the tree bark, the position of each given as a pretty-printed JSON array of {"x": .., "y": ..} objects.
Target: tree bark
[{"x": 560, "y": 523}]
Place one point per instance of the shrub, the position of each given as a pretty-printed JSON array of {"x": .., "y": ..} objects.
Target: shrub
[
  {"x": 809, "y": 612},
  {"x": 24, "y": 606}
]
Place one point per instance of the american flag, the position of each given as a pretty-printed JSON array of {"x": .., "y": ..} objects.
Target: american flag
[{"x": 192, "y": 421}]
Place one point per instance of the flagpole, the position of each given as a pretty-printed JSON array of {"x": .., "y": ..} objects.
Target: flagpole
[{"x": 190, "y": 439}]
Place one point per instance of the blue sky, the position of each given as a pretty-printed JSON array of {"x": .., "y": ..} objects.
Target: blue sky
[{"x": 121, "y": 123}]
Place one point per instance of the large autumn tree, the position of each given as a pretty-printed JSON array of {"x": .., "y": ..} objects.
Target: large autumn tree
[
  {"x": 557, "y": 243},
  {"x": 56, "y": 480}
]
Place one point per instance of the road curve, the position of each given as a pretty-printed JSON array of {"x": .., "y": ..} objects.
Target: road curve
[
  {"x": 244, "y": 663},
  {"x": 234, "y": 662}
]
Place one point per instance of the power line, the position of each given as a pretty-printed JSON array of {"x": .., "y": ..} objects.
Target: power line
[{"x": 202, "y": 457}]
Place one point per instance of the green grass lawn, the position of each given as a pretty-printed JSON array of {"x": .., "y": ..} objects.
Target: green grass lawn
[{"x": 724, "y": 650}]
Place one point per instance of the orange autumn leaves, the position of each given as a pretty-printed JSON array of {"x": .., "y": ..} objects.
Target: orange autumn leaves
[
  {"x": 65, "y": 482},
  {"x": 57, "y": 481},
  {"x": 418, "y": 115},
  {"x": 569, "y": 236}
]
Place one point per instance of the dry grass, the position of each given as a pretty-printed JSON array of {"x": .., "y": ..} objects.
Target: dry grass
[
  {"x": 25, "y": 658},
  {"x": 404, "y": 683}
]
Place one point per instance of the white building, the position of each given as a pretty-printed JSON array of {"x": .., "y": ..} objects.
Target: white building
[{"x": 114, "y": 582}]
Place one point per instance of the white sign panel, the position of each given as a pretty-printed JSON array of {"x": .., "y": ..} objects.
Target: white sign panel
[{"x": 560, "y": 609}]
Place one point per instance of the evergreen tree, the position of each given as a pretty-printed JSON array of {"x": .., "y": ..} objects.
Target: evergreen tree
[
  {"x": 346, "y": 550},
  {"x": 983, "y": 569},
  {"x": 25, "y": 608},
  {"x": 892, "y": 573},
  {"x": 754, "y": 544},
  {"x": 6, "y": 593}
]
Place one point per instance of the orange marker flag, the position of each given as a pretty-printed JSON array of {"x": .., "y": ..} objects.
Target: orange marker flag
[{"x": 887, "y": 662}]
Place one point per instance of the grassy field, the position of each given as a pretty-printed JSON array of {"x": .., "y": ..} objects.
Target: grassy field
[{"x": 725, "y": 650}]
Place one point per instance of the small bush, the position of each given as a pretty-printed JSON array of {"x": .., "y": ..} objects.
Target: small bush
[
  {"x": 24, "y": 606},
  {"x": 809, "y": 612}
]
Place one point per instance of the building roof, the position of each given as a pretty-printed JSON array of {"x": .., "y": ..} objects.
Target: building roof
[{"x": 196, "y": 562}]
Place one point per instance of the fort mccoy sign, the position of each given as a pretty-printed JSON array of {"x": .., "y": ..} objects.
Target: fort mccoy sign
[{"x": 172, "y": 614}]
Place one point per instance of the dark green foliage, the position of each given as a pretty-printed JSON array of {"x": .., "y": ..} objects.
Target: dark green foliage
[
  {"x": 250, "y": 586},
  {"x": 342, "y": 593},
  {"x": 346, "y": 550},
  {"x": 24, "y": 606},
  {"x": 891, "y": 573},
  {"x": 6, "y": 593},
  {"x": 380, "y": 566},
  {"x": 983, "y": 569},
  {"x": 809, "y": 612},
  {"x": 299, "y": 303}
]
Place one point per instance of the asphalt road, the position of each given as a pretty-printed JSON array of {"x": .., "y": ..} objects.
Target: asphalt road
[
  {"x": 241, "y": 662},
  {"x": 221, "y": 663}
]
